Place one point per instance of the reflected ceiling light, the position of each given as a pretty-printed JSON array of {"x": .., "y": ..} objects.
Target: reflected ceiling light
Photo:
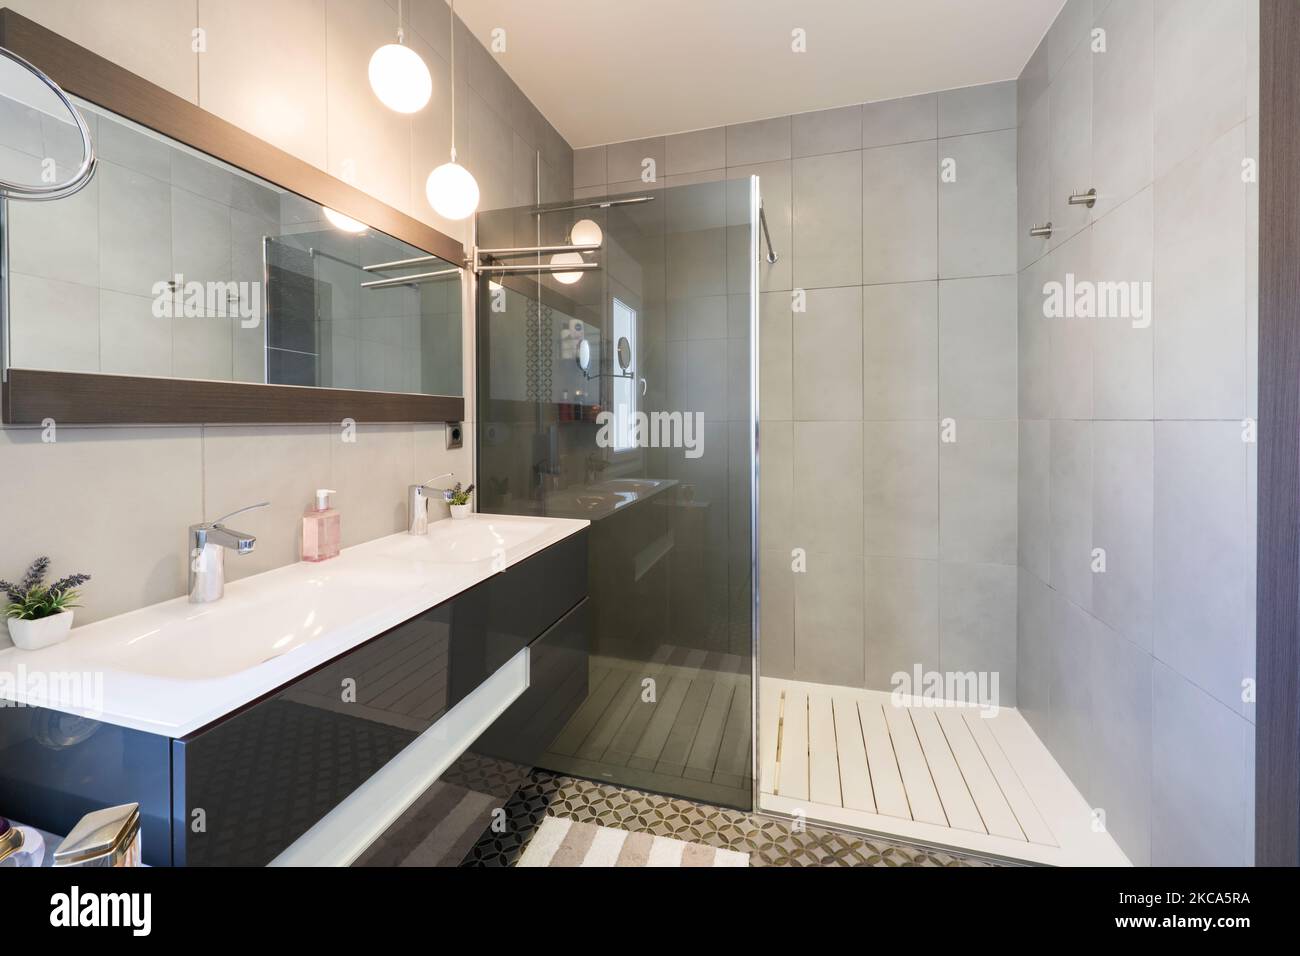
[
  {"x": 585, "y": 233},
  {"x": 451, "y": 190},
  {"x": 567, "y": 259},
  {"x": 340, "y": 221},
  {"x": 398, "y": 75}
]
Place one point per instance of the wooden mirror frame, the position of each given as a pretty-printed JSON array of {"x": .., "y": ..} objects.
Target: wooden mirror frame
[{"x": 88, "y": 398}]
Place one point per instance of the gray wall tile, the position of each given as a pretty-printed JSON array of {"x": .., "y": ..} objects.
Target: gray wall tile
[
  {"x": 900, "y": 341},
  {"x": 899, "y": 209},
  {"x": 695, "y": 151},
  {"x": 1121, "y": 681},
  {"x": 1200, "y": 75},
  {"x": 827, "y": 247},
  {"x": 827, "y": 131},
  {"x": 1123, "y": 510},
  {"x": 1071, "y": 510},
  {"x": 1201, "y": 600},
  {"x": 977, "y": 623},
  {"x": 828, "y": 355},
  {"x": 758, "y": 142},
  {"x": 1034, "y": 492},
  {"x": 977, "y": 348},
  {"x": 901, "y": 490},
  {"x": 1071, "y": 146},
  {"x": 828, "y": 620},
  {"x": 1200, "y": 275},
  {"x": 906, "y": 120},
  {"x": 1034, "y": 649},
  {"x": 977, "y": 213},
  {"x": 1200, "y": 795},
  {"x": 901, "y": 615},
  {"x": 625, "y": 162},
  {"x": 1123, "y": 251},
  {"x": 1123, "y": 112},
  {"x": 977, "y": 494},
  {"x": 978, "y": 109},
  {"x": 828, "y": 457}
]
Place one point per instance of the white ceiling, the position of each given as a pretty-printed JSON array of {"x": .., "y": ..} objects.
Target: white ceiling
[{"x": 604, "y": 71}]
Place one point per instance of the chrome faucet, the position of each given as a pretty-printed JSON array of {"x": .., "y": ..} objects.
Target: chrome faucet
[
  {"x": 417, "y": 504},
  {"x": 207, "y": 550}
]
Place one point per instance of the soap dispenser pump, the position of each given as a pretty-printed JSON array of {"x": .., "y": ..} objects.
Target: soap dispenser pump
[{"x": 321, "y": 529}]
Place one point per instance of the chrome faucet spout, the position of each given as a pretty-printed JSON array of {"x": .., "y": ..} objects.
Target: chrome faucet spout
[
  {"x": 417, "y": 504},
  {"x": 208, "y": 543}
]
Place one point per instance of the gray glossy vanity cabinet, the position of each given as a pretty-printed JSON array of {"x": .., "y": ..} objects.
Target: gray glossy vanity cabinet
[{"x": 240, "y": 790}]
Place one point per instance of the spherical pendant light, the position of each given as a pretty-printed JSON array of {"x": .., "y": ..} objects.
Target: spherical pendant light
[
  {"x": 567, "y": 259},
  {"x": 585, "y": 232},
  {"x": 452, "y": 191},
  {"x": 399, "y": 78}
]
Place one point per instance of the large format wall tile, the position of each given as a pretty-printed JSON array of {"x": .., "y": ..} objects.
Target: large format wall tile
[
  {"x": 1200, "y": 284},
  {"x": 1201, "y": 795},
  {"x": 977, "y": 348},
  {"x": 283, "y": 101},
  {"x": 977, "y": 109},
  {"x": 1123, "y": 113},
  {"x": 1200, "y": 75},
  {"x": 827, "y": 131},
  {"x": 828, "y": 464},
  {"x": 977, "y": 212},
  {"x": 900, "y": 359},
  {"x": 1070, "y": 101},
  {"x": 1034, "y": 649},
  {"x": 827, "y": 221},
  {"x": 1123, "y": 525},
  {"x": 1121, "y": 765},
  {"x": 906, "y": 120},
  {"x": 136, "y": 548},
  {"x": 1034, "y": 489},
  {"x": 1122, "y": 262},
  {"x": 1070, "y": 497},
  {"x": 977, "y": 494},
  {"x": 977, "y": 624},
  {"x": 828, "y": 620},
  {"x": 901, "y": 618},
  {"x": 901, "y": 469},
  {"x": 899, "y": 206},
  {"x": 1202, "y": 600},
  {"x": 828, "y": 356}
]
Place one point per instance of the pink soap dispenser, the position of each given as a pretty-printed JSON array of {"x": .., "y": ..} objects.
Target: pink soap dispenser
[{"x": 321, "y": 529}]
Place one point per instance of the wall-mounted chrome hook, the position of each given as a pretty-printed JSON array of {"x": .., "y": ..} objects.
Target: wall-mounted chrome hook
[
  {"x": 1088, "y": 199},
  {"x": 1041, "y": 232}
]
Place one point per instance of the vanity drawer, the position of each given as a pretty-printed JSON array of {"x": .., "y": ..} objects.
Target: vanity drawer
[
  {"x": 247, "y": 786},
  {"x": 557, "y": 685}
]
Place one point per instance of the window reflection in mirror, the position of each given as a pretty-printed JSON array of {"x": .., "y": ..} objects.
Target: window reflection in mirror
[{"x": 173, "y": 264}]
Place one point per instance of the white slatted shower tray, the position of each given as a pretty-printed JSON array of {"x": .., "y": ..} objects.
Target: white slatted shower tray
[{"x": 932, "y": 772}]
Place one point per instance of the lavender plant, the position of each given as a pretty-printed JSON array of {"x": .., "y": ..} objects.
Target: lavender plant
[
  {"x": 31, "y": 599},
  {"x": 458, "y": 496}
]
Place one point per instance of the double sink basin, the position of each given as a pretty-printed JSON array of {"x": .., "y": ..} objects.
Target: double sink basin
[{"x": 174, "y": 666}]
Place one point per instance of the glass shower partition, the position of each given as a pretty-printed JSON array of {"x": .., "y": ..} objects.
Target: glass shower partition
[{"x": 626, "y": 395}]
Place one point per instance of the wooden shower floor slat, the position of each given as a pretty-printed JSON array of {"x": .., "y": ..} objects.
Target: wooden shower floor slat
[
  {"x": 693, "y": 736},
  {"x": 943, "y": 774}
]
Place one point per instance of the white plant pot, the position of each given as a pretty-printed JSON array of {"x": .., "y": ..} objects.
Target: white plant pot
[
  {"x": 462, "y": 511},
  {"x": 42, "y": 632}
]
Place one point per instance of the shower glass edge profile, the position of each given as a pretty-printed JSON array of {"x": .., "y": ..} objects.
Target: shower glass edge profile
[{"x": 669, "y": 701}]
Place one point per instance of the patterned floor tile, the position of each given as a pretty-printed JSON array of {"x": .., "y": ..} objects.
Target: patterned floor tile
[{"x": 770, "y": 842}]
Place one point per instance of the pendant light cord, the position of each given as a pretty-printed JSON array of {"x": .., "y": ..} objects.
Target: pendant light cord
[
  {"x": 401, "y": 34},
  {"x": 453, "y": 80}
]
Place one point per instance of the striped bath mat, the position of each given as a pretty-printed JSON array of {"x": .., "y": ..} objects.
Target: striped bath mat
[{"x": 562, "y": 842}]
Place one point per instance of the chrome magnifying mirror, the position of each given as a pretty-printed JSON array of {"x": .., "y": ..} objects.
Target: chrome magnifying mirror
[{"x": 45, "y": 146}]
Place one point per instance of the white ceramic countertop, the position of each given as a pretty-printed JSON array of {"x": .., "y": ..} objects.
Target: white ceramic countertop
[{"x": 173, "y": 667}]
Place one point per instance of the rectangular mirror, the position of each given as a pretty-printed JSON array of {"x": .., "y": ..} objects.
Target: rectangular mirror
[{"x": 172, "y": 264}]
